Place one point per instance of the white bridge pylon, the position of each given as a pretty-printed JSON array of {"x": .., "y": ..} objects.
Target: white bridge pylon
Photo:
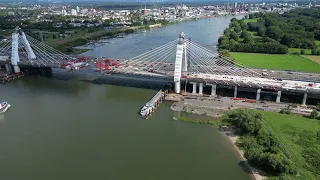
[
  {"x": 22, "y": 49},
  {"x": 185, "y": 58}
]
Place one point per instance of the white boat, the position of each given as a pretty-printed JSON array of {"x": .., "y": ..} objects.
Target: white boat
[
  {"x": 145, "y": 110},
  {"x": 144, "y": 31},
  {"x": 4, "y": 106}
]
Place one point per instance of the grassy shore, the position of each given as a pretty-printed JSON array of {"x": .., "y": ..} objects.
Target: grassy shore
[
  {"x": 82, "y": 37},
  {"x": 296, "y": 134},
  {"x": 291, "y": 130},
  {"x": 276, "y": 61}
]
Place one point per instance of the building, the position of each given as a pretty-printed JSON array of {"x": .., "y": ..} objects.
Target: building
[
  {"x": 78, "y": 9},
  {"x": 73, "y": 12},
  {"x": 63, "y": 12}
]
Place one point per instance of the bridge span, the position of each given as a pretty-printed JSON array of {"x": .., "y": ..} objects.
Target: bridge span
[{"x": 179, "y": 61}]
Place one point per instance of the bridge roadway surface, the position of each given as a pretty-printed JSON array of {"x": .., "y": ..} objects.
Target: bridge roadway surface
[
  {"x": 166, "y": 71},
  {"x": 271, "y": 74}
]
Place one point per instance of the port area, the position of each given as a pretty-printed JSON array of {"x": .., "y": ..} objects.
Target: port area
[
  {"x": 217, "y": 106},
  {"x": 154, "y": 102}
]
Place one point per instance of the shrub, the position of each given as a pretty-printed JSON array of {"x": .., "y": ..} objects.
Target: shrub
[{"x": 314, "y": 114}]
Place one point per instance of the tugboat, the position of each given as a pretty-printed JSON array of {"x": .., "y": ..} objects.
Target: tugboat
[
  {"x": 4, "y": 106},
  {"x": 145, "y": 110}
]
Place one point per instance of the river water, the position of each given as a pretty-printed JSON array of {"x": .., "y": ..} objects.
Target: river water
[{"x": 65, "y": 130}]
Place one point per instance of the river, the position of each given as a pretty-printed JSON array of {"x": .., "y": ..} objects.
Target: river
[{"x": 65, "y": 129}]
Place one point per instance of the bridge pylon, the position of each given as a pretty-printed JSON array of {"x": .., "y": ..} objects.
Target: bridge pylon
[
  {"x": 19, "y": 38},
  {"x": 180, "y": 55}
]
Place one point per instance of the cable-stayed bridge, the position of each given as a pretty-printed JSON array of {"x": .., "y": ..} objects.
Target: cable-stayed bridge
[
  {"x": 178, "y": 61},
  {"x": 24, "y": 50}
]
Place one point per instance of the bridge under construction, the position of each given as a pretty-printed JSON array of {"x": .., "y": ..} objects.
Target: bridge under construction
[{"x": 180, "y": 61}]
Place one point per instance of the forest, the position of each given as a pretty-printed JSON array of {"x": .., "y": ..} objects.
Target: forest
[{"x": 273, "y": 33}]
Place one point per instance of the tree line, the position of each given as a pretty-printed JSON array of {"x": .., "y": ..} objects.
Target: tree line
[
  {"x": 265, "y": 151},
  {"x": 262, "y": 148},
  {"x": 298, "y": 28}
]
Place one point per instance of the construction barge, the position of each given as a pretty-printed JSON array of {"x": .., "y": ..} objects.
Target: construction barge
[{"x": 152, "y": 105}]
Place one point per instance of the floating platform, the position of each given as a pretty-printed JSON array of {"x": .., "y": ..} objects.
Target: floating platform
[{"x": 154, "y": 102}]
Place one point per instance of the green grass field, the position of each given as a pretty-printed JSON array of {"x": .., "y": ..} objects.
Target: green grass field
[
  {"x": 287, "y": 129},
  {"x": 251, "y": 20},
  {"x": 276, "y": 61},
  {"x": 298, "y": 51}
]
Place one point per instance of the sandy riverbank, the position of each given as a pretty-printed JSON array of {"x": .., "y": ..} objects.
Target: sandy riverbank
[
  {"x": 256, "y": 175},
  {"x": 214, "y": 108}
]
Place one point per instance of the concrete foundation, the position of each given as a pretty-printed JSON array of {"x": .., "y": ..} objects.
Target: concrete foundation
[
  {"x": 177, "y": 87},
  {"x": 258, "y": 94},
  {"x": 8, "y": 68},
  {"x": 213, "y": 89},
  {"x": 16, "y": 69},
  {"x": 201, "y": 88},
  {"x": 278, "y": 97},
  {"x": 194, "y": 88},
  {"x": 235, "y": 93},
  {"x": 304, "y": 100}
]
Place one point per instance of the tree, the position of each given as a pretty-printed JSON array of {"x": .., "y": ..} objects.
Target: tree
[
  {"x": 274, "y": 32},
  {"x": 233, "y": 19},
  {"x": 261, "y": 31},
  {"x": 314, "y": 114},
  {"x": 303, "y": 52},
  {"x": 224, "y": 44},
  {"x": 237, "y": 29},
  {"x": 232, "y": 43},
  {"x": 248, "y": 39},
  {"x": 234, "y": 36},
  {"x": 314, "y": 51},
  {"x": 318, "y": 52}
]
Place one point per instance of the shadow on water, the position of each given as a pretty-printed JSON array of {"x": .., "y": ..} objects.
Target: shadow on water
[
  {"x": 40, "y": 84},
  {"x": 245, "y": 167},
  {"x": 111, "y": 80}
]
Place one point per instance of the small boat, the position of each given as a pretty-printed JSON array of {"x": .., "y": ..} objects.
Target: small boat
[
  {"x": 144, "y": 31},
  {"x": 146, "y": 109},
  {"x": 4, "y": 106}
]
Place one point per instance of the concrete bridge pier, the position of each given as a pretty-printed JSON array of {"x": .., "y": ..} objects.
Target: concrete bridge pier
[
  {"x": 177, "y": 87},
  {"x": 258, "y": 94},
  {"x": 278, "y": 97},
  {"x": 201, "y": 88},
  {"x": 194, "y": 87},
  {"x": 304, "y": 100},
  {"x": 213, "y": 89},
  {"x": 16, "y": 68},
  {"x": 8, "y": 68},
  {"x": 235, "y": 93}
]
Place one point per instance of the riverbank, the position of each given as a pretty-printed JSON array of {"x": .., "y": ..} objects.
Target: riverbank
[
  {"x": 155, "y": 26},
  {"x": 211, "y": 107},
  {"x": 233, "y": 139}
]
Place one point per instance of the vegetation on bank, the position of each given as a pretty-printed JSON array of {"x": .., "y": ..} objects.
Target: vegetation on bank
[
  {"x": 283, "y": 145},
  {"x": 199, "y": 121},
  {"x": 274, "y": 33},
  {"x": 59, "y": 32},
  {"x": 296, "y": 32}
]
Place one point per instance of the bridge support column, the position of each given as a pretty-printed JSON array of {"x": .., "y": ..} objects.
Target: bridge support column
[
  {"x": 304, "y": 100},
  {"x": 258, "y": 94},
  {"x": 213, "y": 89},
  {"x": 8, "y": 68},
  {"x": 235, "y": 93},
  {"x": 177, "y": 87},
  {"x": 194, "y": 88},
  {"x": 278, "y": 97},
  {"x": 201, "y": 88}
]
